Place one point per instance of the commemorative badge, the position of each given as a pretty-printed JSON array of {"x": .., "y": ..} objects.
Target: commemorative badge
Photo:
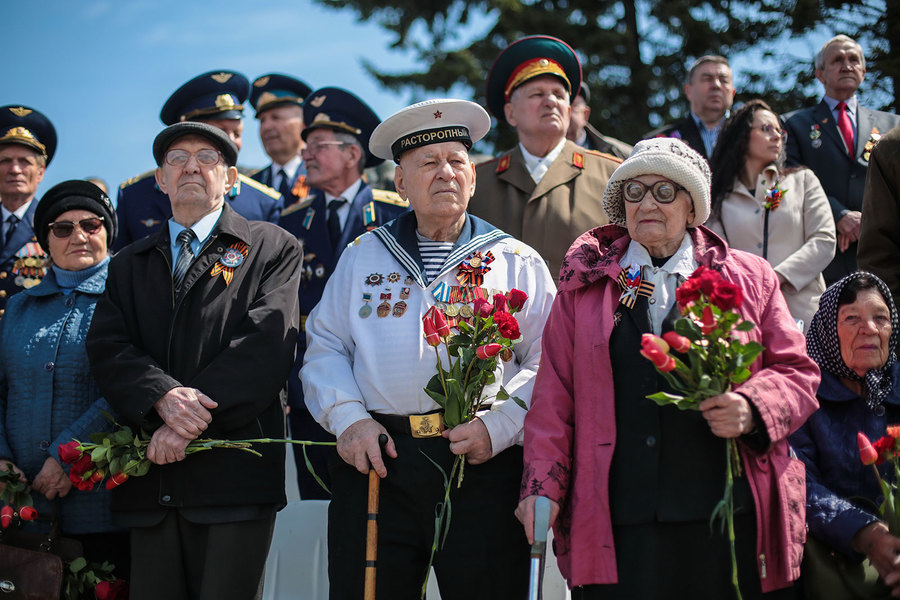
[
  {"x": 815, "y": 135},
  {"x": 773, "y": 197},
  {"x": 399, "y": 309},
  {"x": 233, "y": 257},
  {"x": 633, "y": 286},
  {"x": 874, "y": 138},
  {"x": 30, "y": 265},
  {"x": 472, "y": 270}
]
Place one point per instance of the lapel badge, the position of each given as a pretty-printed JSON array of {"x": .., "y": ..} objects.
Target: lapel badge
[
  {"x": 633, "y": 286},
  {"x": 814, "y": 132},
  {"x": 399, "y": 309},
  {"x": 150, "y": 222},
  {"x": 232, "y": 258},
  {"x": 617, "y": 318},
  {"x": 384, "y": 309},
  {"x": 308, "y": 218},
  {"x": 503, "y": 164},
  {"x": 375, "y": 279}
]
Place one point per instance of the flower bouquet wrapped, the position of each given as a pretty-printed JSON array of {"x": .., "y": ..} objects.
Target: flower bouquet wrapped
[{"x": 708, "y": 361}]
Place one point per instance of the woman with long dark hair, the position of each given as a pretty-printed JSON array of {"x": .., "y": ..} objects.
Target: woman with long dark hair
[{"x": 762, "y": 207}]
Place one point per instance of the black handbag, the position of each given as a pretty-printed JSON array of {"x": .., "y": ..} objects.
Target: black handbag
[{"x": 31, "y": 563}]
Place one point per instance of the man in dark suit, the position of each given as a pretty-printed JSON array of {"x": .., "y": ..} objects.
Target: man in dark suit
[
  {"x": 27, "y": 144},
  {"x": 340, "y": 207},
  {"x": 278, "y": 100},
  {"x": 710, "y": 91},
  {"x": 834, "y": 139},
  {"x": 583, "y": 134},
  {"x": 195, "y": 335},
  {"x": 215, "y": 98}
]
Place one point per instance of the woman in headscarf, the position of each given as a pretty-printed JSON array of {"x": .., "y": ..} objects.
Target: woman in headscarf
[
  {"x": 759, "y": 206},
  {"x": 634, "y": 484},
  {"x": 853, "y": 338}
]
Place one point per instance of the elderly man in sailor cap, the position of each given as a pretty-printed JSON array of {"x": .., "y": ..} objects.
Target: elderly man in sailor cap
[{"x": 367, "y": 365}]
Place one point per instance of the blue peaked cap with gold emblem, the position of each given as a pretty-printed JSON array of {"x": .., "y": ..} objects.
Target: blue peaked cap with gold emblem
[
  {"x": 338, "y": 109},
  {"x": 275, "y": 89},
  {"x": 27, "y": 127},
  {"x": 213, "y": 95}
]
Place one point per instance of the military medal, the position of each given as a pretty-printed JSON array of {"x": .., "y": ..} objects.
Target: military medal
[
  {"x": 232, "y": 258},
  {"x": 384, "y": 309},
  {"x": 308, "y": 218},
  {"x": 472, "y": 270},
  {"x": 633, "y": 286},
  {"x": 30, "y": 265},
  {"x": 814, "y": 134},
  {"x": 375, "y": 279},
  {"x": 874, "y": 138},
  {"x": 451, "y": 310},
  {"x": 399, "y": 309},
  {"x": 301, "y": 190},
  {"x": 441, "y": 292},
  {"x": 366, "y": 309},
  {"x": 393, "y": 277},
  {"x": 466, "y": 312}
]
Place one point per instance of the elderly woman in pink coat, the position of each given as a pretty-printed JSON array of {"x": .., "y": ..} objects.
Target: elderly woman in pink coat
[{"x": 632, "y": 485}]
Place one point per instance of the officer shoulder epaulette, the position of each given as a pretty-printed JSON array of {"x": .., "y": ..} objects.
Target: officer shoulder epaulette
[
  {"x": 137, "y": 178},
  {"x": 604, "y": 155},
  {"x": 298, "y": 205},
  {"x": 259, "y": 186},
  {"x": 388, "y": 197}
]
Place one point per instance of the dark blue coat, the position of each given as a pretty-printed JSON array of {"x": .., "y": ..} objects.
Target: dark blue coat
[
  {"x": 826, "y": 443},
  {"x": 307, "y": 220},
  {"x": 297, "y": 184},
  {"x": 142, "y": 207},
  {"x": 14, "y": 273}
]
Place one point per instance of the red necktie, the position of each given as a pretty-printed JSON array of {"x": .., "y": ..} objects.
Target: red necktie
[{"x": 846, "y": 127}]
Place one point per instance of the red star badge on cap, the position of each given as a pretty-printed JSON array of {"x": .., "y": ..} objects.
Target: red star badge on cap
[{"x": 438, "y": 114}]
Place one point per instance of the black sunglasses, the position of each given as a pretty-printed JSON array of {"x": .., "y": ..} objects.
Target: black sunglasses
[{"x": 63, "y": 229}]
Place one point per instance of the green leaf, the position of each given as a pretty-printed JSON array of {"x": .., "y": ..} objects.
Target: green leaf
[
  {"x": 502, "y": 394},
  {"x": 745, "y": 326},
  {"x": 98, "y": 454},
  {"x": 520, "y": 402},
  {"x": 77, "y": 564},
  {"x": 143, "y": 468}
]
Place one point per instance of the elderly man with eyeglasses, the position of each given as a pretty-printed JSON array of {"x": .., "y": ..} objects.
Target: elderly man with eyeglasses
[{"x": 195, "y": 336}]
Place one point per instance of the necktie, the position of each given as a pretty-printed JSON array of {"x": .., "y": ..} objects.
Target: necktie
[
  {"x": 284, "y": 187},
  {"x": 846, "y": 127},
  {"x": 334, "y": 221},
  {"x": 11, "y": 222},
  {"x": 184, "y": 258}
]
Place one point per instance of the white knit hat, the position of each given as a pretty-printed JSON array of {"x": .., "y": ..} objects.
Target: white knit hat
[{"x": 667, "y": 157}]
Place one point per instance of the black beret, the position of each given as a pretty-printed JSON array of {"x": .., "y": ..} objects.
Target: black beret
[
  {"x": 72, "y": 195},
  {"x": 219, "y": 139}
]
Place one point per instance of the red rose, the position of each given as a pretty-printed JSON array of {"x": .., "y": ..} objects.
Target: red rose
[
  {"x": 727, "y": 296},
  {"x": 709, "y": 280},
  {"x": 687, "y": 292},
  {"x": 500, "y": 302},
  {"x": 678, "y": 343},
  {"x": 708, "y": 322},
  {"x": 111, "y": 590},
  {"x": 867, "y": 453},
  {"x": 884, "y": 447},
  {"x": 69, "y": 452},
  {"x": 6, "y": 516},
  {"x": 82, "y": 465},
  {"x": 440, "y": 323},
  {"x": 487, "y": 351},
  {"x": 116, "y": 480},
  {"x": 507, "y": 325},
  {"x": 482, "y": 308},
  {"x": 517, "y": 299},
  {"x": 431, "y": 336},
  {"x": 28, "y": 513}
]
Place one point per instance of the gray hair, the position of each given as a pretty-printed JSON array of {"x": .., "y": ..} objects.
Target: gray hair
[
  {"x": 352, "y": 140},
  {"x": 838, "y": 39},
  {"x": 708, "y": 58}
]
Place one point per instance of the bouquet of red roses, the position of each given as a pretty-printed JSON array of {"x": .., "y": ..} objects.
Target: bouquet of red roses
[
  {"x": 876, "y": 453},
  {"x": 708, "y": 361}
]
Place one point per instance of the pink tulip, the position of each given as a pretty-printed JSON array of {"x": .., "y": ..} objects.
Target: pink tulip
[{"x": 867, "y": 453}]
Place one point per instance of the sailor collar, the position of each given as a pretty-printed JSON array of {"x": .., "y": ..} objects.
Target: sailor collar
[{"x": 399, "y": 238}]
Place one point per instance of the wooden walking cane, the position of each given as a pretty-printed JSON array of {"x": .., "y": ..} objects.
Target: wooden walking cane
[{"x": 372, "y": 526}]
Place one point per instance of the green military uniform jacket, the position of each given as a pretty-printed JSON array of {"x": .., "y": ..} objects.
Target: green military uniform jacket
[{"x": 550, "y": 215}]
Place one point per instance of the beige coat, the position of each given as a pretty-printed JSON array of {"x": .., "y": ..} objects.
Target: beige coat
[
  {"x": 550, "y": 215},
  {"x": 801, "y": 234}
]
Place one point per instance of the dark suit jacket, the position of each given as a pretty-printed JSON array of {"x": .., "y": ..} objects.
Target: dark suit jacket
[
  {"x": 298, "y": 188},
  {"x": 605, "y": 144},
  {"x": 815, "y": 142},
  {"x": 685, "y": 129},
  {"x": 233, "y": 341},
  {"x": 10, "y": 282}
]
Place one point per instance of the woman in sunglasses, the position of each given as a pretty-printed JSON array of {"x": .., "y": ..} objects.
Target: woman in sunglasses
[
  {"x": 632, "y": 485},
  {"x": 47, "y": 395},
  {"x": 780, "y": 214}
]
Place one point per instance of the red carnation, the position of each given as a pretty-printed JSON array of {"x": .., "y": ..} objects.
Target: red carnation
[
  {"x": 487, "y": 351},
  {"x": 111, "y": 590},
  {"x": 517, "y": 299},
  {"x": 883, "y": 447},
  {"x": 727, "y": 296},
  {"x": 28, "y": 513},
  {"x": 69, "y": 452},
  {"x": 708, "y": 280},
  {"x": 500, "y": 302},
  {"x": 116, "y": 480},
  {"x": 507, "y": 325}
]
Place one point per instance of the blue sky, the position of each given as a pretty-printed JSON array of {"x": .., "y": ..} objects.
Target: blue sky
[{"x": 102, "y": 69}]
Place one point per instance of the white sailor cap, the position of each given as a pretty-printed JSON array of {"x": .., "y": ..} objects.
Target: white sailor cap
[{"x": 429, "y": 122}]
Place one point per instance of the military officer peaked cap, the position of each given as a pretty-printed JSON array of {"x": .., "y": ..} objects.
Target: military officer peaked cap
[
  {"x": 338, "y": 109},
  {"x": 213, "y": 95},
  {"x": 526, "y": 59},
  {"x": 430, "y": 122},
  {"x": 27, "y": 127},
  {"x": 274, "y": 89}
]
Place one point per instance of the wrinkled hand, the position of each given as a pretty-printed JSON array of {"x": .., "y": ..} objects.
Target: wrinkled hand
[
  {"x": 525, "y": 514},
  {"x": 471, "y": 439},
  {"x": 52, "y": 480},
  {"x": 728, "y": 415},
  {"x": 358, "y": 446},
  {"x": 166, "y": 446},
  {"x": 880, "y": 547},
  {"x": 186, "y": 411},
  {"x": 848, "y": 229}
]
